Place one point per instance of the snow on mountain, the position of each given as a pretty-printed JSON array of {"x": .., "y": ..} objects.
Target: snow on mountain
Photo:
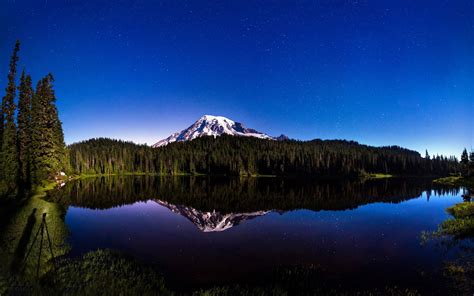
[
  {"x": 209, "y": 125},
  {"x": 211, "y": 221}
]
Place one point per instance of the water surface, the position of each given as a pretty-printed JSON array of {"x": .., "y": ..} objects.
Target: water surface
[{"x": 203, "y": 231}]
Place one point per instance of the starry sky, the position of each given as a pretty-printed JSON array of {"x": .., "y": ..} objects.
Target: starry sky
[{"x": 378, "y": 72}]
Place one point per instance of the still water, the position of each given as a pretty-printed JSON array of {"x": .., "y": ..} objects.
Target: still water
[{"x": 201, "y": 231}]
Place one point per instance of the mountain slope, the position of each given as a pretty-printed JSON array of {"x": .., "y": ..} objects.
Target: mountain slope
[{"x": 209, "y": 125}]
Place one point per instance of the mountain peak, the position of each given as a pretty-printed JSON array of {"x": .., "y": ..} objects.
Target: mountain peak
[
  {"x": 212, "y": 125},
  {"x": 214, "y": 117},
  {"x": 282, "y": 137}
]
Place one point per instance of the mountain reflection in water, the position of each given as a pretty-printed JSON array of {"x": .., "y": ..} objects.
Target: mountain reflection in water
[{"x": 211, "y": 221}]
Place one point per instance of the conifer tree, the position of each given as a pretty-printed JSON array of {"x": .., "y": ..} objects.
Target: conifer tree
[
  {"x": 61, "y": 153},
  {"x": 48, "y": 148},
  {"x": 24, "y": 128},
  {"x": 39, "y": 147},
  {"x": 464, "y": 157},
  {"x": 8, "y": 155},
  {"x": 464, "y": 162}
]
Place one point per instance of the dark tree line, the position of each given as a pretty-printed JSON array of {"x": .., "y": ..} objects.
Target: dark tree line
[
  {"x": 32, "y": 142},
  {"x": 248, "y": 156}
]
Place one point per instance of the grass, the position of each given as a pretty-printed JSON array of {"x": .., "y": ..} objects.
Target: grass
[
  {"x": 462, "y": 223},
  {"x": 462, "y": 210},
  {"x": 40, "y": 191},
  {"x": 456, "y": 181},
  {"x": 457, "y": 231},
  {"x": 460, "y": 275},
  {"x": 380, "y": 176},
  {"x": 369, "y": 176},
  {"x": 460, "y": 227},
  {"x": 102, "y": 272},
  {"x": 106, "y": 271},
  {"x": 17, "y": 234}
]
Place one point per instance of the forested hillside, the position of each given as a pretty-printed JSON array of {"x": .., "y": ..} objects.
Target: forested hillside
[{"x": 232, "y": 155}]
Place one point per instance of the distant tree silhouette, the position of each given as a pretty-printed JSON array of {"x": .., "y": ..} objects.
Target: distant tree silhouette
[
  {"x": 471, "y": 163},
  {"x": 464, "y": 162}
]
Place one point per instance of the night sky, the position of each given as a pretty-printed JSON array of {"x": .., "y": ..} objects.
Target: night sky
[{"x": 378, "y": 72}]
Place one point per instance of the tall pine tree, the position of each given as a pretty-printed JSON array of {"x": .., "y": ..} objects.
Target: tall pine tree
[
  {"x": 60, "y": 149},
  {"x": 48, "y": 148},
  {"x": 38, "y": 129},
  {"x": 9, "y": 156},
  {"x": 24, "y": 128}
]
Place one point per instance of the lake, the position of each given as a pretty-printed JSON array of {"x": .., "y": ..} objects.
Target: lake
[{"x": 204, "y": 231}]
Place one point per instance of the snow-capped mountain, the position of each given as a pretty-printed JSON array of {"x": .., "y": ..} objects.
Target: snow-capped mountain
[
  {"x": 211, "y": 221},
  {"x": 209, "y": 125}
]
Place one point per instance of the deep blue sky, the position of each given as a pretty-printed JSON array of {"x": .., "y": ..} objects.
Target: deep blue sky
[{"x": 378, "y": 72}]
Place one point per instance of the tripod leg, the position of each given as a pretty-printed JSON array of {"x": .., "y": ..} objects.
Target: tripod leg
[
  {"x": 31, "y": 248},
  {"x": 50, "y": 244},
  {"x": 40, "y": 250}
]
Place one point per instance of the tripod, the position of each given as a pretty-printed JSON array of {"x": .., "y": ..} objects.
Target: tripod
[{"x": 41, "y": 231}]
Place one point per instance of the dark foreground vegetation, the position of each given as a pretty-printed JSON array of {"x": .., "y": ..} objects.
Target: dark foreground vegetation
[
  {"x": 106, "y": 272},
  {"x": 230, "y": 155}
]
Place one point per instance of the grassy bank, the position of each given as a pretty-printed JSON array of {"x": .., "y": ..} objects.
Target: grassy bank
[
  {"x": 460, "y": 228},
  {"x": 457, "y": 233},
  {"x": 21, "y": 260},
  {"x": 109, "y": 272},
  {"x": 456, "y": 181},
  {"x": 461, "y": 225},
  {"x": 379, "y": 176}
]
